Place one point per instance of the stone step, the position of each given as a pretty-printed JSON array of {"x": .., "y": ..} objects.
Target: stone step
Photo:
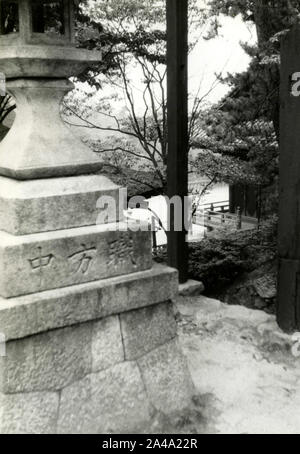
[
  {"x": 40, "y": 312},
  {"x": 59, "y": 203},
  {"x": 45, "y": 261}
]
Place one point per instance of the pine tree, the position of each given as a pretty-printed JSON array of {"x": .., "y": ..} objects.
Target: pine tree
[{"x": 244, "y": 128}]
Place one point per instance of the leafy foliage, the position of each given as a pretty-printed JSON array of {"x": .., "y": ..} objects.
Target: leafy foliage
[
  {"x": 237, "y": 152},
  {"x": 236, "y": 141},
  {"x": 7, "y": 105},
  {"x": 255, "y": 92},
  {"x": 126, "y": 28},
  {"x": 137, "y": 182},
  {"x": 243, "y": 130},
  {"x": 132, "y": 36},
  {"x": 217, "y": 262}
]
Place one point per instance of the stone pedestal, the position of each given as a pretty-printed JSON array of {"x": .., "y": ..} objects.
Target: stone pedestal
[
  {"x": 89, "y": 325},
  {"x": 88, "y": 320},
  {"x": 42, "y": 145}
]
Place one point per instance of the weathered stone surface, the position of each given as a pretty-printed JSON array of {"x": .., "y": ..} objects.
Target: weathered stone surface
[
  {"x": 32, "y": 314},
  {"x": 112, "y": 401},
  {"x": 161, "y": 285},
  {"x": 59, "y": 203},
  {"x": 256, "y": 289},
  {"x": 266, "y": 286},
  {"x": 107, "y": 347},
  {"x": 29, "y": 413},
  {"x": 48, "y": 361},
  {"x": 145, "y": 329},
  {"x": 167, "y": 379},
  {"x": 45, "y": 61},
  {"x": 42, "y": 144},
  {"x": 191, "y": 288},
  {"x": 44, "y": 261}
]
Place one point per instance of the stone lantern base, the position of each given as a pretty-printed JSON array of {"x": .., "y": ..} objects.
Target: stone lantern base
[
  {"x": 40, "y": 144},
  {"x": 90, "y": 332}
]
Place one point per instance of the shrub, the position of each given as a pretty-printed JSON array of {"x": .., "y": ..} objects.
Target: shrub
[{"x": 218, "y": 262}]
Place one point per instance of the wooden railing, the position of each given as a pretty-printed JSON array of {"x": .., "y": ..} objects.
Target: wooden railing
[
  {"x": 213, "y": 216},
  {"x": 216, "y": 216},
  {"x": 222, "y": 207}
]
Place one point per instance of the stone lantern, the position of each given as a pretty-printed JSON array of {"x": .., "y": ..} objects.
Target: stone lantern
[
  {"x": 37, "y": 21},
  {"x": 87, "y": 319},
  {"x": 37, "y": 56}
]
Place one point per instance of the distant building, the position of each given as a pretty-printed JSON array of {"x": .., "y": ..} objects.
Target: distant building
[{"x": 245, "y": 197}]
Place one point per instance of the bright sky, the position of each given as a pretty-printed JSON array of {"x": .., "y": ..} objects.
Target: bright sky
[{"x": 223, "y": 54}]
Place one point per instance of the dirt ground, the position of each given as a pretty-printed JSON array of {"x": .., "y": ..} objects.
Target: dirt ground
[{"x": 245, "y": 369}]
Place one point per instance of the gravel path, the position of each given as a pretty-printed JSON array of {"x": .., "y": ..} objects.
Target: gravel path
[{"x": 246, "y": 370}]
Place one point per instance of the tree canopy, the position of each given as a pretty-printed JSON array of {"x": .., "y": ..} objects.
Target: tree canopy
[
  {"x": 236, "y": 140},
  {"x": 244, "y": 127}
]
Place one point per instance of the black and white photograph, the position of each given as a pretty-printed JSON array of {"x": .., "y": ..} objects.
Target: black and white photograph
[{"x": 149, "y": 220}]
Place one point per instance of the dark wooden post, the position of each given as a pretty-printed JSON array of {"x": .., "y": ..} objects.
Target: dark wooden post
[
  {"x": 177, "y": 60},
  {"x": 153, "y": 228},
  {"x": 238, "y": 219},
  {"x": 288, "y": 301}
]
